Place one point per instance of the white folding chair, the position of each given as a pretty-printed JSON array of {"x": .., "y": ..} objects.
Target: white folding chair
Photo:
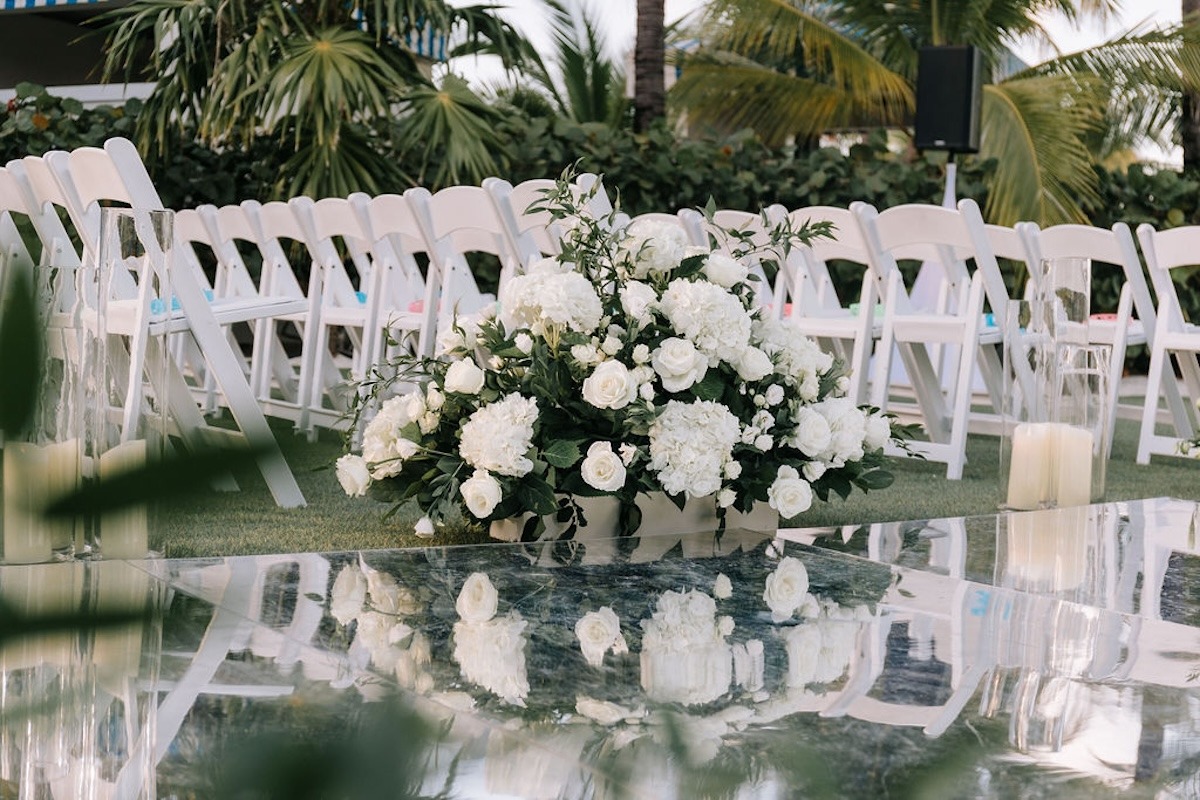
[
  {"x": 458, "y": 221},
  {"x": 1173, "y": 336},
  {"x": 89, "y": 175},
  {"x": 532, "y": 234},
  {"x": 848, "y": 330},
  {"x": 1111, "y": 246},
  {"x": 950, "y": 238}
]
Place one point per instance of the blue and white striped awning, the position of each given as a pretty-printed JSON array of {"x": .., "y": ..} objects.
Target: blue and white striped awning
[{"x": 34, "y": 5}]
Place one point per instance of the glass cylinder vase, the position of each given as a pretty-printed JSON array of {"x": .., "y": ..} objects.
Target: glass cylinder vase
[{"x": 1054, "y": 442}]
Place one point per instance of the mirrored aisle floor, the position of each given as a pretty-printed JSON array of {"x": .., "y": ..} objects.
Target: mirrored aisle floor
[{"x": 1050, "y": 654}]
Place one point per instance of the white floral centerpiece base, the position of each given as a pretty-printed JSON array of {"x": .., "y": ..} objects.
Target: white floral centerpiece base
[{"x": 659, "y": 515}]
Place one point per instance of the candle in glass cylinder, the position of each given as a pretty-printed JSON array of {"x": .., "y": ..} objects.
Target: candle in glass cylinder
[
  {"x": 124, "y": 533},
  {"x": 1073, "y": 466},
  {"x": 1029, "y": 476},
  {"x": 26, "y": 536}
]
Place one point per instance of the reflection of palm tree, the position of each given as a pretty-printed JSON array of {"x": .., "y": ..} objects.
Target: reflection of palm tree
[
  {"x": 802, "y": 68},
  {"x": 324, "y": 79}
]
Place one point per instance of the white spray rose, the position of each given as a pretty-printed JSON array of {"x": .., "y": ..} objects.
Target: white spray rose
[
  {"x": 638, "y": 301},
  {"x": 424, "y": 527},
  {"x": 481, "y": 492},
  {"x": 353, "y": 475},
  {"x": 602, "y": 468},
  {"x": 786, "y": 588},
  {"x": 464, "y": 377},
  {"x": 523, "y": 342},
  {"x": 610, "y": 386},
  {"x": 598, "y": 632},
  {"x": 478, "y": 599}
]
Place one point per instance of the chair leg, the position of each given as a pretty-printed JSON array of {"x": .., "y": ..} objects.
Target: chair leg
[{"x": 1158, "y": 357}]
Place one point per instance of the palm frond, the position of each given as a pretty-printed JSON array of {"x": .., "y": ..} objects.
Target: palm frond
[
  {"x": 1036, "y": 128},
  {"x": 453, "y": 122}
]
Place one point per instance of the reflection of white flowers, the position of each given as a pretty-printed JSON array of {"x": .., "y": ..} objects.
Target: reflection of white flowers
[
  {"x": 604, "y": 712},
  {"x": 348, "y": 594},
  {"x": 478, "y": 599},
  {"x": 388, "y": 596},
  {"x": 821, "y": 648},
  {"x": 685, "y": 657},
  {"x": 722, "y": 587},
  {"x": 492, "y": 655},
  {"x": 598, "y": 632},
  {"x": 786, "y": 588}
]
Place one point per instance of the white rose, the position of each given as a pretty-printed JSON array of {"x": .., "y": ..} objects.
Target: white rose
[
  {"x": 638, "y": 301},
  {"x": 726, "y": 497},
  {"x": 464, "y": 377},
  {"x": 424, "y": 527},
  {"x": 523, "y": 342},
  {"x": 641, "y": 354},
  {"x": 724, "y": 271},
  {"x": 813, "y": 470},
  {"x": 679, "y": 364},
  {"x": 774, "y": 394},
  {"x": 610, "y": 386},
  {"x": 585, "y": 354},
  {"x": 754, "y": 365},
  {"x": 481, "y": 492},
  {"x": 733, "y": 470},
  {"x": 348, "y": 594},
  {"x": 722, "y": 587},
  {"x": 789, "y": 494},
  {"x": 786, "y": 588},
  {"x": 611, "y": 346},
  {"x": 598, "y": 632},
  {"x": 478, "y": 599},
  {"x": 813, "y": 434},
  {"x": 353, "y": 475},
  {"x": 879, "y": 430},
  {"x": 602, "y": 468}
]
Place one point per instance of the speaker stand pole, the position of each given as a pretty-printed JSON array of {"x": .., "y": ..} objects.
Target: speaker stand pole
[{"x": 948, "y": 199}]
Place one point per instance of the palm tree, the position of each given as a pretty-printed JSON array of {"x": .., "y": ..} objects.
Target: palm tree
[
  {"x": 798, "y": 68},
  {"x": 333, "y": 82},
  {"x": 649, "y": 93},
  {"x": 1189, "y": 128},
  {"x": 583, "y": 82}
]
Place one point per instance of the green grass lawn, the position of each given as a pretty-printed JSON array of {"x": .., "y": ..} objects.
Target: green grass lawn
[{"x": 236, "y": 523}]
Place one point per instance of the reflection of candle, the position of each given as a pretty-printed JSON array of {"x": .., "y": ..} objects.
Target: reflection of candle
[
  {"x": 61, "y": 479},
  {"x": 118, "y": 650},
  {"x": 1029, "y": 470},
  {"x": 124, "y": 533},
  {"x": 26, "y": 536},
  {"x": 39, "y": 590},
  {"x": 1047, "y": 549}
]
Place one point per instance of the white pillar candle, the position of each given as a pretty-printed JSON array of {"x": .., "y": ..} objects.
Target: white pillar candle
[
  {"x": 1073, "y": 466},
  {"x": 1029, "y": 475},
  {"x": 124, "y": 533},
  {"x": 26, "y": 536},
  {"x": 1047, "y": 549}
]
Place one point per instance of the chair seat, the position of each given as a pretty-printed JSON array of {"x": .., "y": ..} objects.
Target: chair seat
[
  {"x": 939, "y": 328},
  {"x": 122, "y": 314},
  {"x": 1104, "y": 331},
  {"x": 832, "y": 324}
]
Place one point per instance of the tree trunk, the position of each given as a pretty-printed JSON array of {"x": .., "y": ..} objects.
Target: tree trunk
[
  {"x": 649, "y": 93},
  {"x": 1189, "y": 126}
]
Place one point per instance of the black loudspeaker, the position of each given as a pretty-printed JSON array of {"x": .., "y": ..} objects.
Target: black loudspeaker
[{"x": 949, "y": 90}]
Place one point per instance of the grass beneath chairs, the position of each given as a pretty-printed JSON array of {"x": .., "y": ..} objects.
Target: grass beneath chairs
[{"x": 246, "y": 522}]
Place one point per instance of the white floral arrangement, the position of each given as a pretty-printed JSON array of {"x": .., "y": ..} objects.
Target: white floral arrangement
[{"x": 632, "y": 362}]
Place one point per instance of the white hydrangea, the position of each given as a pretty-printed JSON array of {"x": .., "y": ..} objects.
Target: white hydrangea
[
  {"x": 797, "y": 358},
  {"x": 384, "y": 447},
  {"x": 541, "y": 300},
  {"x": 710, "y": 317},
  {"x": 498, "y": 436},
  {"x": 638, "y": 301},
  {"x": 690, "y": 445},
  {"x": 655, "y": 247}
]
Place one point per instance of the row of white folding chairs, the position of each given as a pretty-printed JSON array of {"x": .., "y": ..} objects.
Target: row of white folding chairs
[{"x": 61, "y": 194}]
